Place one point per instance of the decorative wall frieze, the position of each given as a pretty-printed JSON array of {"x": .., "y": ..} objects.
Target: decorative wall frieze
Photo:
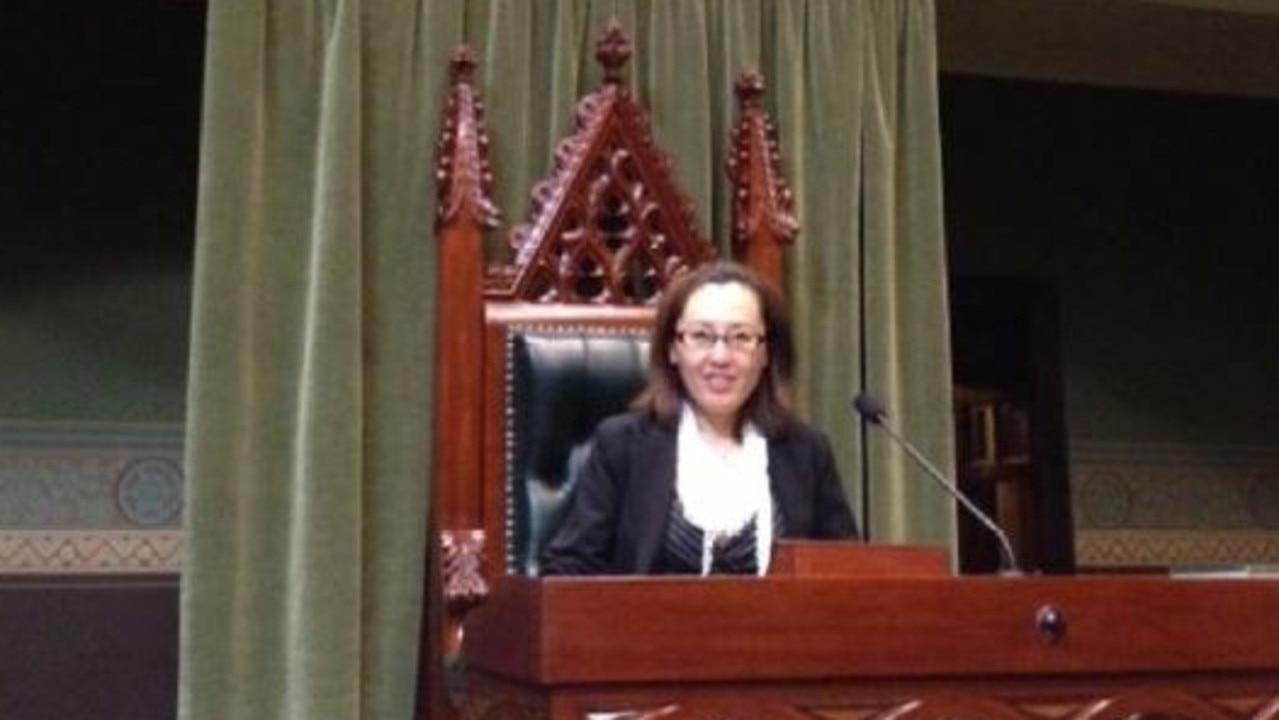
[
  {"x": 1171, "y": 505},
  {"x": 1187, "y": 549},
  {"x": 57, "y": 552},
  {"x": 90, "y": 497}
]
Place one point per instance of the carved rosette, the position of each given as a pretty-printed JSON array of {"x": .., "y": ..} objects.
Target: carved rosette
[
  {"x": 762, "y": 202},
  {"x": 608, "y": 226},
  {"x": 462, "y": 172}
]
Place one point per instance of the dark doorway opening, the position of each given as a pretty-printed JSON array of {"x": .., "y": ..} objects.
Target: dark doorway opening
[{"x": 1010, "y": 422}]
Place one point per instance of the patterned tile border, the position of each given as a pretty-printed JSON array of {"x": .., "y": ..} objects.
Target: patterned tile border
[
  {"x": 1175, "y": 548},
  {"x": 1168, "y": 487},
  {"x": 54, "y": 552},
  {"x": 90, "y": 498},
  {"x": 1172, "y": 505}
]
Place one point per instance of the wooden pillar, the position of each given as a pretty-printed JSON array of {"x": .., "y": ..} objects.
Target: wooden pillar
[{"x": 464, "y": 212}]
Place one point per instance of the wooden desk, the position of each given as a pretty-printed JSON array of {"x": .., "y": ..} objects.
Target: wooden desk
[{"x": 918, "y": 648}]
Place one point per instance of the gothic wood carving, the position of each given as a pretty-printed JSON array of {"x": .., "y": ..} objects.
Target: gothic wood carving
[
  {"x": 463, "y": 563},
  {"x": 464, "y": 212},
  {"x": 763, "y": 215},
  {"x": 462, "y": 175},
  {"x": 462, "y": 571},
  {"x": 608, "y": 226}
]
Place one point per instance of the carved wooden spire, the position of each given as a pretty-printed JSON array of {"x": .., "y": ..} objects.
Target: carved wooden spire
[
  {"x": 464, "y": 212},
  {"x": 609, "y": 225},
  {"x": 462, "y": 173},
  {"x": 763, "y": 216}
]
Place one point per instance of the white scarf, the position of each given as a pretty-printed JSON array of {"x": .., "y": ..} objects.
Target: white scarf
[{"x": 721, "y": 492}]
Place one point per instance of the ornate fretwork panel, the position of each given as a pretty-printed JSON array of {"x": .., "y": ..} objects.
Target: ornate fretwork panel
[{"x": 609, "y": 225}]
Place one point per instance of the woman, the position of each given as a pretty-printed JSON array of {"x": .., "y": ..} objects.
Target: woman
[{"x": 711, "y": 464}]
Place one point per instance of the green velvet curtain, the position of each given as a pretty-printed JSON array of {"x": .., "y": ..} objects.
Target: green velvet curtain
[{"x": 310, "y": 415}]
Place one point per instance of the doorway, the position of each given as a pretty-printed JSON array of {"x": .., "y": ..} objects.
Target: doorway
[{"x": 1010, "y": 422}]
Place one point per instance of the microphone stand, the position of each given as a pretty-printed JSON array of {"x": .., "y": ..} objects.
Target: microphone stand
[{"x": 876, "y": 415}]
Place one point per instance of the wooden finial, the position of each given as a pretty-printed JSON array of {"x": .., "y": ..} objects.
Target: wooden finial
[
  {"x": 462, "y": 65},
  {"x": 750, "y": 89},
  {"x": 763, "y": 217},
  {"x": 613, "y": 50},
  {"x": 464, "y": 181}
]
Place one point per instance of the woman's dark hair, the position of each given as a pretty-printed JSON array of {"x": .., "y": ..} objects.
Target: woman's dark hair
[{"x": 769, "y": 406}]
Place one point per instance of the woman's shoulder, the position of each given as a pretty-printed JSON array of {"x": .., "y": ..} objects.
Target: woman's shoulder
[
  {"x": 631, "y": 437},
  {"x": 628, "y": 425},
  {"x": 801, "y": 434}
]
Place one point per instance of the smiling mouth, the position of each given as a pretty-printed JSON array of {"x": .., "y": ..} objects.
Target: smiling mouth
[{"x": 719, "y": 383}]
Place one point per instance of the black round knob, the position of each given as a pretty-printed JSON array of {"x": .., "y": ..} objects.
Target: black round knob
[{"x": 1051, "y": 624}]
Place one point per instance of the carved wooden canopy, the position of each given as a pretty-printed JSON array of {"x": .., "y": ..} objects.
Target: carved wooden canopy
[{"x": 609, "y": 225}]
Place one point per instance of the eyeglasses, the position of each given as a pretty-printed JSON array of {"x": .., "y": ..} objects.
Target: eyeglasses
[{"x": 703, "y": 340}]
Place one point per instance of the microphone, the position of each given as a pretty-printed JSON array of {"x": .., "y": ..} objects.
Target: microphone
[{"x": 873, "y": 411}]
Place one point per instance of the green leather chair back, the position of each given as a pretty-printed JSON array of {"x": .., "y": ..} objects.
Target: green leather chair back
[{"x": 559, "y": 386}]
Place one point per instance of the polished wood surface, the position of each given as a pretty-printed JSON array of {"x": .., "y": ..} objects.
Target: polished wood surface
[
  {"x": 842, "y": 558},
  {"x": 464, "y": 212},
  {"x": 607, "y": 630},
  {"x": 974, "y": 647}
]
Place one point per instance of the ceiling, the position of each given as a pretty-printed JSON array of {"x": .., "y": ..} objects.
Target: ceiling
[{"x": 1205, "y": 46}]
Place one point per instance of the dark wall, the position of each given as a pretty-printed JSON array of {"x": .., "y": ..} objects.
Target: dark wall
[
  {"x": 1155, "y": 216},
  {"x": 88, "y": 649},
  {"x": 1151, "y": 219},
  {"x": 99, "y": 115}
]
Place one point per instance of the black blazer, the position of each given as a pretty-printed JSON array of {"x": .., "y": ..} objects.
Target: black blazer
[{"x": 617, "y": 521}]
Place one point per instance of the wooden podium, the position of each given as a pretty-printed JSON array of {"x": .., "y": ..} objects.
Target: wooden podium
[{"x": 857, "y": 647}]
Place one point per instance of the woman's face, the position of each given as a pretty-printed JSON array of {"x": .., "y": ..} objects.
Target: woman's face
[{"x": 720, "y": 351}]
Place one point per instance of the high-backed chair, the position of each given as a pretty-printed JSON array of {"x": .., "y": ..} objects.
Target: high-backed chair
[
  {"x": 561, "y": 383},
  {"x": 532, "y": 354}
]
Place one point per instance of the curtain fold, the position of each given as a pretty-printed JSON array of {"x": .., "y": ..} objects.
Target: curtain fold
[
  {"x": 905, "y": 323},
  {"x": 310, "y": 409},
  {"x": 309, "y": 400}
]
